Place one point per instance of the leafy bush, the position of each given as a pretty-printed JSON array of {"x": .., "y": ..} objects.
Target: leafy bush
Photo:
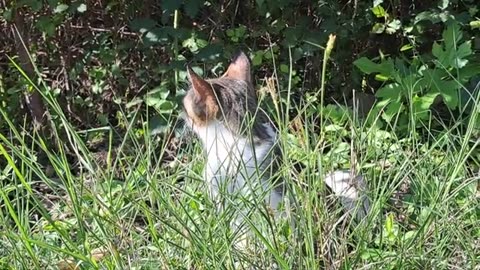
[
  {"x": 118, "y": 183},
  {"x": 413, "y": 85}
]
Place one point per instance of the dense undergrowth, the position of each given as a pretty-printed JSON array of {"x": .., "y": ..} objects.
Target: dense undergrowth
[{"x": 108, "y": 178}]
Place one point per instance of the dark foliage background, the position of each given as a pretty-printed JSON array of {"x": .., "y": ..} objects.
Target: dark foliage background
[
  {"x": 100, "y": 58},
  {"x": 95, "y": 174}
]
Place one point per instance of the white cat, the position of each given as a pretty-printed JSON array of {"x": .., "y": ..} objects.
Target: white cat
[{"x": 241, "y": 143}]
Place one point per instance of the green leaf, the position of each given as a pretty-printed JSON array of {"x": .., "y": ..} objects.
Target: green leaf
[
  {"x": 159, "y": 124},
  {"x": 8, "y": 14},
  {"x": 211, "y": 52},
  {"x": 46, "y": 25},
  {"x": 152, "y": 36},
  {"x": 452, "y": 35},
  {"x": 334, "y": 128},
  {"x": 393, "y": 26},
  {"x": 372, "y": 254},
  {"x": 406, "y": 47},
  {"x": 284, "y": 68},
  {"x": 257, "y": 58},
  {"x": 171, "y": 5},
  {"x": 475, "y": 24},
  {"x": 82, "y": 8},
  {"x": 156, "y": 34},
  {"x": 157, "y": 98},
  {"x": 377, "y": 2},
  {"x": 190, "y": 44},
  {"x": 414, "y": 83},
  {"x": 292, "y": 35},
  {"x": 443, "y": 4},
  {"x": 201, "y": 43},
  {"x": 378, "y": 28},
  {"x": 142, "y": 24},
  {"x": 194, "y": 44},
  {"x": 389, "y": 224},
  {"x": 241, "y": 31},
  {"x": 366, "y": 65},
  {"x": 53, "y": 3},
  {"x": 390, "y": 101},
  {"x": 421, "y": 105},
  {"x": 160, "y": 92},
  {"x": 192, "y": 7},
  {"x": 445, "y": 16},
  {"x": 341, "y": 147},
  {"x": 386, "y": 68},
  {"x": 449, "y": 92},
  {"x": 392, "y": 91},
  {"x": 379, "y": 11},
  {"x": 409, "y": 236},
  {"x": 463, "y": 51},
  {"x": 230, "y": 32},
  {"x": 381, "y": 78},
  {"x": 35, "y": 5},
  {"x": 433, "y": 17},
  {"x": 136, "y": 101},
  {"x": 468, "y": 71},
  {"x": 448, "y": 89},
  {"x": 60, "y": 8},
  {"x": 437, "y": 51},
  {"x": 452, "y": 53}
]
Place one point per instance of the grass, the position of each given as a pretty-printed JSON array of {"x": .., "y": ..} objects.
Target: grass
[{"x": 141, "y": 203}]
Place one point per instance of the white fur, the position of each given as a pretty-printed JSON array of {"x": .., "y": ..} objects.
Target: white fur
[
  {"x": 233, "y": 162},
  {"x": 352, "y": 191}
]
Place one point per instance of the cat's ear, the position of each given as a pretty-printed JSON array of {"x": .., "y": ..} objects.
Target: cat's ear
[
  {"x": 239, "y": 68},
  {"x": 202, "y": 88}
]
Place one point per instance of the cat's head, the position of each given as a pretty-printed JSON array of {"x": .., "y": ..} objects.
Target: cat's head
[{"x": 226, "y": 99}]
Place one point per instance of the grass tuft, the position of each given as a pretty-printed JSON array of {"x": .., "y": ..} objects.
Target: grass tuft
[{"x": 141, "y": 203}]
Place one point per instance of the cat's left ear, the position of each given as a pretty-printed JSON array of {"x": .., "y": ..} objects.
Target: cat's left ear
[
  {"x": 239, "y": 68},
  {"x": 202, "y": 88}
]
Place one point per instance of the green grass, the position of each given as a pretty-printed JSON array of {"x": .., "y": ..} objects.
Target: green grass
[{"x": 131, "y": 208}]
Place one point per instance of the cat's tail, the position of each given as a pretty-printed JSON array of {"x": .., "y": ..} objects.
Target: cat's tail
[{"x": 351, "y": 191}]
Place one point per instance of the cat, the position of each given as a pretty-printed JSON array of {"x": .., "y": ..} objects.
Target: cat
[
  {"x": 239, "y": 140},
  {"x": 241, "y": 143}
]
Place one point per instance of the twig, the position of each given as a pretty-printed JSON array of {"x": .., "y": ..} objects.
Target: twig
[{"x": 103, "y": 30}]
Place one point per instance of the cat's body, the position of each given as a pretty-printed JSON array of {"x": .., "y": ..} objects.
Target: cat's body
[
  {"x": 241, "y": 144},
  {"x": 234, "y": 163},
  {"x": 239, "y": 140}
]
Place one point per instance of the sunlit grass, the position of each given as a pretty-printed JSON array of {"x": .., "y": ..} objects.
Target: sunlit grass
[{"x": 141, "y": 204}]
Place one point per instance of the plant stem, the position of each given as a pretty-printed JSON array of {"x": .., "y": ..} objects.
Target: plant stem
[
  {"x": 326, "y": 56},
  {"x": 175, "y": 50}
]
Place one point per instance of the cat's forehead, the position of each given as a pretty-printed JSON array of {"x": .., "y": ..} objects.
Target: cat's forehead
[{"x": 231, "y": 86}]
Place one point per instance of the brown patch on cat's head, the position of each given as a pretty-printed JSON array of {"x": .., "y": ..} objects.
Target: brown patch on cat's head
[
  {"x": 228, "y": 99},
  {"x": 200, "y": 103}
]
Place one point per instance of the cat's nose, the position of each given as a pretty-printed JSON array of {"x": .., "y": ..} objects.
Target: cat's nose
[
  {"x": 183, "y": 126},
  {"x": 183, "y": 121}
]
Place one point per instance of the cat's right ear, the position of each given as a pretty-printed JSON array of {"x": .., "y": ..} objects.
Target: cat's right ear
[
  {"x": 202, "y": 88},
  {"x": 239, "y": 68}
]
